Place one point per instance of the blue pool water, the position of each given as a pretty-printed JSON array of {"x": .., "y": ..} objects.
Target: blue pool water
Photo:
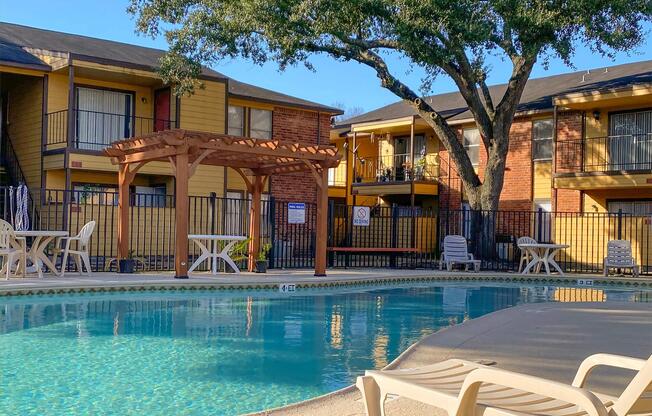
[{"x": 210, "y": 353}]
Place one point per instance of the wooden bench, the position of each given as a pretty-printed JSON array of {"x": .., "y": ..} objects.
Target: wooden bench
[{"x": 391, "y": 251}]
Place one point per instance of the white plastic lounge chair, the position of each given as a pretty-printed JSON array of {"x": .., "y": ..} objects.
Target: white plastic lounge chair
[
  {"x": 525, "y": 256},
  {"x": 619, "y": 256},
  {"x": 8, "y": 248},
  {"x": 80, "y": 254},
  {"x": 456, "y": 252},
  {"x": 464, "y": 388}
]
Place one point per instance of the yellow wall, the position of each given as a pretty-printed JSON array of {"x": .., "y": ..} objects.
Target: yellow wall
[
  {"x": 25, "y": 115},
  {"x": 205, "y": 110},
  {"x": 542, "y": 180},
  {"x": 596, "y": 200}
]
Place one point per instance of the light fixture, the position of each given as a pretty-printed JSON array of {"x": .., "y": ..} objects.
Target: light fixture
[
  {"x": 143, "y": 100},
  {"x": 596, "y": 114}
]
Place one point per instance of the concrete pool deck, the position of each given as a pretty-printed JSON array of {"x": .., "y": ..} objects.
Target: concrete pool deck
[
  {"x": 547, "y": 340},
  {"x": 73, "y": 282}
]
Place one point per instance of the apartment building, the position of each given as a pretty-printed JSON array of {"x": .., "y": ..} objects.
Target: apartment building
[
  {"x": 65, "y": 97},
  {"x": 580, "y": 142}
]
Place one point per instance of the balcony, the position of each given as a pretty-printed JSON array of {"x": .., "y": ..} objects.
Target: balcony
[
  {"x": 611, "y": 154},
  {"x": 394, "y": 168},
  {"x": 93, "y": 130}
]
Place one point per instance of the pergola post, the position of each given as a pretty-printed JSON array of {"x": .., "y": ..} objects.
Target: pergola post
[
  {"x": 124, "y": 180},
  {"x": 254, "y": 221},
  {"x": 181, "y": 216},
  {"x": 322, "y": 223}
]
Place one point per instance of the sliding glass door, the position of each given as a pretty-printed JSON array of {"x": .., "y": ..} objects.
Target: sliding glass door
[
  {"x": 103, "y": 116},
  {"x": 630, "y": 140}
]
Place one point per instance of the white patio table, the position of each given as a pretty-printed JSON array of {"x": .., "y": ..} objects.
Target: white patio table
[
  {"x": 543, "y": 253},
  {"x": 213, "y": 253},
  {"x": 36, "y": 252}
]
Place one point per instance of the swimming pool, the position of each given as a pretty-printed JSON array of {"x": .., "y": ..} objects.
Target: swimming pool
[{"x": 217, "y": 353}]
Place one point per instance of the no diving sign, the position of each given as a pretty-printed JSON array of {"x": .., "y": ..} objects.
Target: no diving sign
[{"x": 361, "y": 216}]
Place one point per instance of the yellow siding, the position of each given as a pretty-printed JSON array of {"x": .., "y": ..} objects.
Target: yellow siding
[
  {"x": 205, "y": 109},
  {"x": 596, "y": 200},
  {"x": 251, "y": 104},
  {"x": 542, "y": 180},
  {"x": 604, "y": 181},
  {"x": 25, "y": 110},
  {"x": 21, "y": 71},
  {"x": 57, "y": 92},
  {"x": 588, "y": 237},
  {"x": 51, "y": 162},
  {"x": 207, "y": 179}
]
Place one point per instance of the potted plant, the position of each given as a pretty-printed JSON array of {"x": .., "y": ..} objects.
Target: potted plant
[
  {"x": 261, "y": 261},
  {"x": 127, "y": 265}
]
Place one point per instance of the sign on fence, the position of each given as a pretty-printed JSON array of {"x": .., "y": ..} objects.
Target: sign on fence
[
  {"x": 361, "y": 216},
  {"x": 296, "y": 213}
]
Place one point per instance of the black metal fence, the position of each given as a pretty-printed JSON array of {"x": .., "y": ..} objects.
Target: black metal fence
[
  {"x": 398, "y": 237},
  {"x": 493, "y": 236},
  {"x": 392, "y": 237},
  {"x": 152, "y": 225}
]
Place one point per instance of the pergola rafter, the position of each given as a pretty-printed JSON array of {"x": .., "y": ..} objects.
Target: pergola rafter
[{"x": 255, "y": 160}]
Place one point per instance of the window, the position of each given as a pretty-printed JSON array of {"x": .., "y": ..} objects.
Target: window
[
  {"x": 150, "y": 196},
  {"x": 261, "y": 124},
  {"x": 236, "y": 120},
  {"x": 103, "y": 116},
  {"x": 94, "y": 194},
  {"x": 632, "y": 207},
  {"x": 472, "y": 145},
  {"x": 542, "y": 139},
  {"x": 630, "y": 140}
]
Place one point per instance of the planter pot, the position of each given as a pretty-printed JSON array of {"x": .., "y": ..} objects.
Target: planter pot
[
  {"x": 261, "y": 266},
  {"x": 126, "y": 266}
]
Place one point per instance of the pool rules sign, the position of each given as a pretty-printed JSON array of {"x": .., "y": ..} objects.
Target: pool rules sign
[
  {"x": 296, "y": 213},
  {"x": 361, "y": 216}
]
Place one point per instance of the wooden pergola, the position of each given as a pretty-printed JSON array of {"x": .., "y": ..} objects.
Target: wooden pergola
[{"x": 255, "y": 160}]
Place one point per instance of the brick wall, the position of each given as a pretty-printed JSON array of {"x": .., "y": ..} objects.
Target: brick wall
[
  {"x": 517, "y": 188},
  {"x": 569, "y": 156},
  {"x": 298, "y": 126}
]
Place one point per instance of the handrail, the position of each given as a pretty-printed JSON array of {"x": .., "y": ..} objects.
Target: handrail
[
  {"x": 95, "y": 130},
  {"x": 395, "y": 168},
  {"x": 625, "y": 152}
]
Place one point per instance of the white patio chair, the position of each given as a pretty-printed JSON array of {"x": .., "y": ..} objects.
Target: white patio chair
[
  {"x": 456, "y": 252},
  {"x": 10, "y": 248},
  {"x": 619, "y": 256},
  {"x": 525, "y": 255},
  {"x": 80, "y": 254},
  {"x": 465, "y": 388}
]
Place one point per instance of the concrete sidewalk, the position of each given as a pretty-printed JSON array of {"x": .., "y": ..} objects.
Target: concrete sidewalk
[{"x": 547, "y": 340}]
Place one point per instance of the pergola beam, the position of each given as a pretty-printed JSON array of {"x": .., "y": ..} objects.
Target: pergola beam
[{"x": 186, "y": 150}]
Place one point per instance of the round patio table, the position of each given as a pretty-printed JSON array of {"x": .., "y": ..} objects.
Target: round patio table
[
  {"x": 36, "y": 252},
  {"x": 543, "y": 253}
]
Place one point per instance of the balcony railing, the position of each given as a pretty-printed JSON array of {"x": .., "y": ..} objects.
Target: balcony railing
[
  {"x": 629, "y": 152},
  {"x": 394, "y": 168},
  {"x": 94, "y": 130}
]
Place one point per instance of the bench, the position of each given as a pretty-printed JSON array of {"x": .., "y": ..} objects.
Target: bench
[{"x": 391, "y": 251}]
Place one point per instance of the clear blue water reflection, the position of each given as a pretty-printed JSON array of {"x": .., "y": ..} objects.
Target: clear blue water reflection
[{"x": 224, "y": 353}]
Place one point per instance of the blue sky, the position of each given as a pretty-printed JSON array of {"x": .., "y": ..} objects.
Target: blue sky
[{"x": 348, "y": 83}]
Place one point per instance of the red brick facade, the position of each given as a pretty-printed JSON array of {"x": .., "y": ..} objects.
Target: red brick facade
[
  {"x": 298, "y": 126},
  {"x": 517, "y": 193},
  {"x": 569, "y": 127},
  {"x": 517, "y": 188}
]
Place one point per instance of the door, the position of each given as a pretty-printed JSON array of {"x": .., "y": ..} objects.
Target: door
[
  {"x": 401, "y": 148},
  {"x": 162, "y": 99},
  {"x": 103, "y": 116},
  {"x": 630, "y": 140},
  {"x": 542, "y": 221}
]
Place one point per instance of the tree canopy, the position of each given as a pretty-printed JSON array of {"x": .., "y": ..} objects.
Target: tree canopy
[{"x": 451, "y": 37}]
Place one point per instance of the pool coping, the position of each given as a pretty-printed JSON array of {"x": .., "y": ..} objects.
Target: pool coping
[{"x": 55, "y": 287}]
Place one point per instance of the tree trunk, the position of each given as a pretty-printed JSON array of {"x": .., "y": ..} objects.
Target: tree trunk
[{"x": 484, "y": 201}]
